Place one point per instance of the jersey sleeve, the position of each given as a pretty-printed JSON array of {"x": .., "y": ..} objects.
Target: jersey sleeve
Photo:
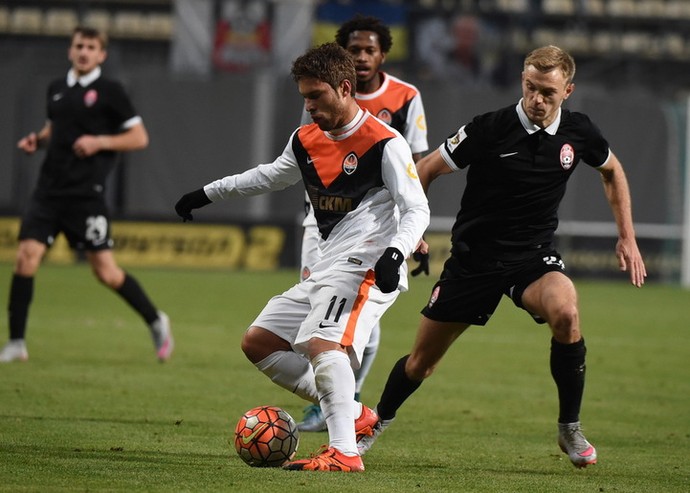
[
  {"x": 597, "y": 147},
  {"x": 415, "y": 128},
  {"x": 400, "y": 177},
  {"x": 280, "y": 174},
  {"x": 122, "y": 108},
  {"x": 466, "y": 146}
]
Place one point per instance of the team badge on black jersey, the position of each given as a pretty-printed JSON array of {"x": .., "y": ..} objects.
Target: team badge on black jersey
[
  {"x": 90, "y": 98},
  {"x": 350, "y": 163},
  {"x": 567, "y": 156},
  {"x": 385, "y": 116}
]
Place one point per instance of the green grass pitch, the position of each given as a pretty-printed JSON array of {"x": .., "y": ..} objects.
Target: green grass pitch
[{"x": 92, "y": 409}]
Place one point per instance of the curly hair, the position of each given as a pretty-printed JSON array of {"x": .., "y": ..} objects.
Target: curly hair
[
  {"x": 548, "y": 58},
  {"x": 329, "y": 63},
  {"x": 365, "y": 23}
]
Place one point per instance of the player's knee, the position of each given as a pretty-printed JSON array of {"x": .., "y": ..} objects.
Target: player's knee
[
  {"x": 108, "y": 277},
  {"x": 258, "y": 343},
  {"x": 27, "y": 261},
  {"x": 566, "y": 316},
  {"x": 416, "y": 369},
  {"x": 248, "y": 347},
  {"x": 565, "y": 323}
]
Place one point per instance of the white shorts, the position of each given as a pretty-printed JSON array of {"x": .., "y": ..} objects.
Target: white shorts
[{"x": 337, "y": 306}]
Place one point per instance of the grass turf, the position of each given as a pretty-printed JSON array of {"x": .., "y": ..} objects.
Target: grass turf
[{"x": 92, "y": 410}]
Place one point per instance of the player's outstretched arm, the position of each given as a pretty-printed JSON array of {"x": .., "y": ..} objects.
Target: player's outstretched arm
[{"x": 618, "y": 196}]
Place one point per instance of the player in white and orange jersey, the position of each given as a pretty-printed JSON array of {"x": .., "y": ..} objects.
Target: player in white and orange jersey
[
  {"x": 371, "y": 213},
  {"x": 396, "y": 103}
]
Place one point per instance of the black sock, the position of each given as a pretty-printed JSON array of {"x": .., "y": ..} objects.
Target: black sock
[
  {"x": 133, "y": 294},
  {"x": 568, "y": 371},
  {"x": 398, "y": 388},
  {"x": 21, "y": 294}
]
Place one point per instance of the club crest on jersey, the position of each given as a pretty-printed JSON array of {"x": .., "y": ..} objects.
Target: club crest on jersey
[
  {"x": 350, "y": 163},
  {"x": 90, "y": 98},
  {"x": 385, "y": 116},
  {"x": 567, "y": 156}
]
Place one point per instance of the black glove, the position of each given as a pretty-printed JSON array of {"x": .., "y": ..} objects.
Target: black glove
[
  {"x": 423, "y": 259},
  {"x": 387, "y": 270},
  {"x": 189, "y": 201}
]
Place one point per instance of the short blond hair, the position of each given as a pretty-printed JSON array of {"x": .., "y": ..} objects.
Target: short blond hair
[{"x": 548, "y": 58}]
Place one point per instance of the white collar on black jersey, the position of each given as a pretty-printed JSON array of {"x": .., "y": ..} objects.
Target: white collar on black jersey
[
  {"x": 84, "y": 80},
  {"x": 530, "y": 127}
]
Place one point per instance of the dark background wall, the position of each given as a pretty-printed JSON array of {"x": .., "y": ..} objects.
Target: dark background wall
[
  {"x": 205, "y": 129},
  {"x": 208, "y": 122}
]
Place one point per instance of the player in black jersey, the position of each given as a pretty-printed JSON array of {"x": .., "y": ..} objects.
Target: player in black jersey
[
  {"x": 518, "y": 162},
  {"x": 90, "y": 119}
]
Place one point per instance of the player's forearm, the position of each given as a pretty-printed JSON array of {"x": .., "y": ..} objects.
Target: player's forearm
[
  {"x": 413, "y": 224},
  {"x": 134, "y": 139},
  {"x": 255, "y": 181},
  {"x": 43, "y": 135},
  {"x": 618, "y": 195}
]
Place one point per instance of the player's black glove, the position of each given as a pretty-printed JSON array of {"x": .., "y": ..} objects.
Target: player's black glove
[
  {"x": 189, "y": 201},
  {"x": 423, "y": 259},
  {"x": 387, "y": 270}
]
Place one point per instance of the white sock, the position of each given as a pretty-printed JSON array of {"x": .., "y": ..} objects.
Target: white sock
[
  {"x": 370, "y": 351},
  {"x": 335, "y": 382},
  {"x": 292, "y": 372}
]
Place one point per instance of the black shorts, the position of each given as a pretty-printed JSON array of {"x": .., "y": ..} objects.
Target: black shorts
[
  {"x": 470, "y": 288},
  {"x": 85, "y": 223}
]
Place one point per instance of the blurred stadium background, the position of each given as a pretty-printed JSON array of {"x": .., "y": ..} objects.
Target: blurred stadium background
[{"x": 211, "y": 79}]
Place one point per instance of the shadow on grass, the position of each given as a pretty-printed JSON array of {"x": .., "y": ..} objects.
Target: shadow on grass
[
  {"x": 74, "y": 419},
  {"x": 113, "y": 454}
]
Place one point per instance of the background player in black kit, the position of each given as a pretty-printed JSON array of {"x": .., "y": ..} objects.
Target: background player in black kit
[
  {"x": 519, "y": 159},
  {"x": 90, "y": 119}
]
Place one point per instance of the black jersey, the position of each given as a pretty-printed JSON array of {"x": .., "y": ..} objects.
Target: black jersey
[
  {"x": 99, "y": 108},
  {"x": 516, "y": 178}
]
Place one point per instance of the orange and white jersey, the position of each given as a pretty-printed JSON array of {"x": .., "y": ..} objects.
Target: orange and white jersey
[
  {"x": 398, "y": 104},
  {"x": 361, "y": 182}
]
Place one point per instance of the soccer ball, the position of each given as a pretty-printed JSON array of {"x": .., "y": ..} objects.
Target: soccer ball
[{"x": 266, "y": 436}]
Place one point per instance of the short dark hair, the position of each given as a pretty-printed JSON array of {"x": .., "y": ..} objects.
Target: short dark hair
[
  {"x": 329, "y": 63},
  {"x": 91, "y": 33},
  {"x": 365, "y": 23}
]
